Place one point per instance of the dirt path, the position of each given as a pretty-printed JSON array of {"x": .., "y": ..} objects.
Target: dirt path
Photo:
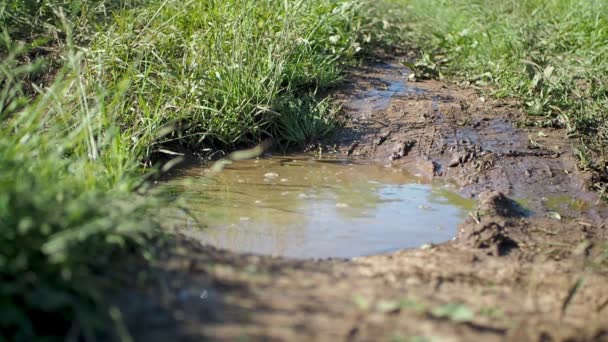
[{"x": 531, "y": 269}]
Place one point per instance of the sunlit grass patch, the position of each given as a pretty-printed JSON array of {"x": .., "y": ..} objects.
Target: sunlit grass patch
[{"x": 221, "y": 71}]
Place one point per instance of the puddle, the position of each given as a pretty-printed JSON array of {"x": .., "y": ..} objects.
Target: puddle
[{"x": 304, "y": 208}]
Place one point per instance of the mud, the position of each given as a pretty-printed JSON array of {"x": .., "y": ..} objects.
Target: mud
[{"x": 530, "y": 263}]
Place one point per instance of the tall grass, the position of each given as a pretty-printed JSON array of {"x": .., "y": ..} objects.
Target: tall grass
[
  {"x": 219, "y": 71},
  {"x": 553, "y": 55},
  {"x": 68, "y": 204}
]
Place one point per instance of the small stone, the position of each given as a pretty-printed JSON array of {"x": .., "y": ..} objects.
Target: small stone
[{"x": 454, "y": 162}]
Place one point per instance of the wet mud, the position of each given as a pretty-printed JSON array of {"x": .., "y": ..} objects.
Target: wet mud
[{"x": 530, "y": 262}]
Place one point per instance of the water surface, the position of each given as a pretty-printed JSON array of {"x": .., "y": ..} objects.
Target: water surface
[{"x": 306, "y": 208}]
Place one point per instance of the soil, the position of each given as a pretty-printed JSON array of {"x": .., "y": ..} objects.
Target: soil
[{"x": 530, "y": 263}]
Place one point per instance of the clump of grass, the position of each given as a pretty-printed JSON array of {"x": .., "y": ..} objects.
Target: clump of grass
[
  {"x": 41, "y": 20},
  {"x": 221, "y": 72},
  {"x": 68, "y": 204},
  {"x": 550, "y": 54},
  {"x": 303, "y": 120}
]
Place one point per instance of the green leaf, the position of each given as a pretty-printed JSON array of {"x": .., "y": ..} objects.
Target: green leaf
[
  {"x": 387, "y": 306},
  {"x": 454, "y": 311},
  {"x": 361, "y": 302}
]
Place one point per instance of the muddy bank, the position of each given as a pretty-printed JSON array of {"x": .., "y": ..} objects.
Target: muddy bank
[
  {"x": 443, "y": 130},
  {"x": 530, "y": 263}
]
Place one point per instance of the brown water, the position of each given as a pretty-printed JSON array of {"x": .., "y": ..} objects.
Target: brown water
[{"x": 306, "y": 208}]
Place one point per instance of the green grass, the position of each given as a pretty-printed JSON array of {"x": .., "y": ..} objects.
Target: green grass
[
  {"x": 550, "y": 54},
  {"x": 92, "y": 91},
  {"x": 68, "y": 204},
  {"x": 220, "y": 72}
]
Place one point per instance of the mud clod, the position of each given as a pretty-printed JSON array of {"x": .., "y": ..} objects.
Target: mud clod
[
  {"x": 382, "y": 138},
  {"x": 488, "y": 230},
  {"x": 459, "y": 158},
  {"x": 401, "y": 149},
  {"x": 496, "y": 203}
]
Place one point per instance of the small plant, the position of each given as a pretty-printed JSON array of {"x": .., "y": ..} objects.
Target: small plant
[{"x": 425, "y": 68}]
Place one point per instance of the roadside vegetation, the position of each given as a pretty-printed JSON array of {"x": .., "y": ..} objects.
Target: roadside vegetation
[
  {"x": 92, "y": 92},
  {"x": 552, "y": 55}
]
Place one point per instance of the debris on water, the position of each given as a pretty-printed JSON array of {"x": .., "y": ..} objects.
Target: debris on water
[
  {"x": 271, "y": 175},
  {"x": 341, "y": 205}
]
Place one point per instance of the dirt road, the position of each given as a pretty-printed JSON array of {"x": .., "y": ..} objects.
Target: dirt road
[{"x": 531, "y": 263}]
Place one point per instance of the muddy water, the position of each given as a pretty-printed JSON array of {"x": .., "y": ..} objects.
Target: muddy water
[{"x": 306, "y": 208}]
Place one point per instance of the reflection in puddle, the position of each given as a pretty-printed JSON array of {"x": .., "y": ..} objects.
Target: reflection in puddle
[{"x": 303, "y": 208}]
